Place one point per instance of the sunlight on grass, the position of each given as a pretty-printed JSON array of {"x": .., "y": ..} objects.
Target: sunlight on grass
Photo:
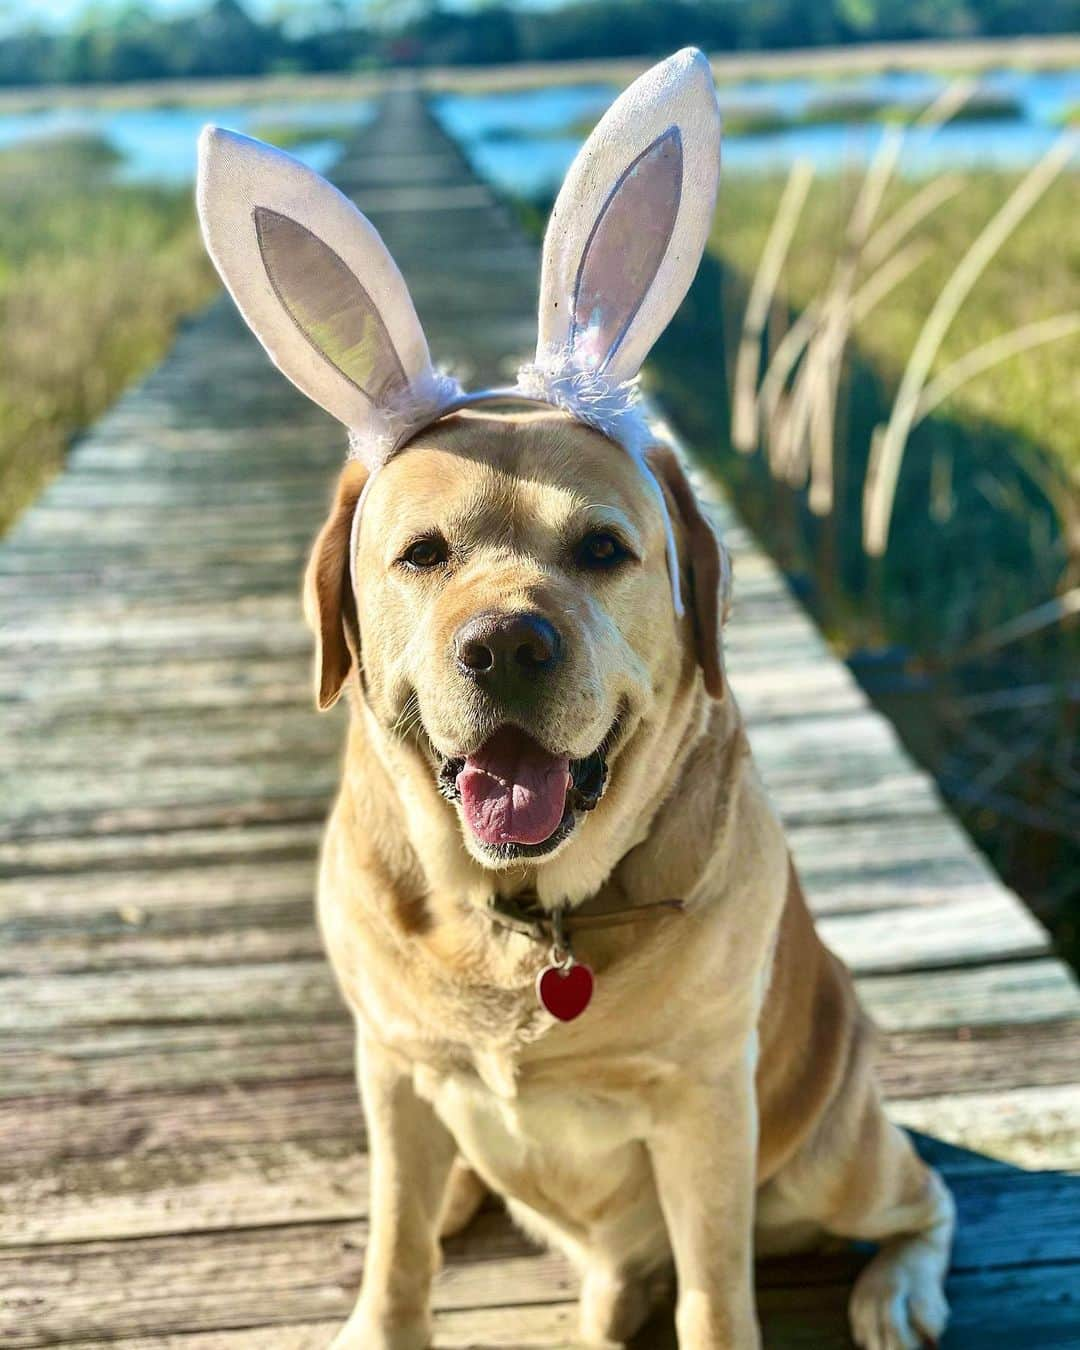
[
  {"x": 94, "y": 277},
  {"x": 1035, "y": 275},
  {"x": 288, "y": 135},
  {"x": 945, "y": 313}
]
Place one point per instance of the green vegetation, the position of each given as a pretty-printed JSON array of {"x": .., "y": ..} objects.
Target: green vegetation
[
  {"x": 980, "y": 107},
  {"x": 1036, "y": 275},
  {"x": 94, "y": 276},
  {"x": 962, "y": 630},
  {"x": 756, "y": 119},
  {"x": 288, "y": 135}
]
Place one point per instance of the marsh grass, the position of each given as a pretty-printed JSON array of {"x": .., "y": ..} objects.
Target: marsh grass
[
  {"x": 983, "y": 106},
  {"x": 94, "y": 277},
  {"x": 288, "y": 135},
  {"x": 841, "y": 109},
  {"x": 948, "y": 310},
  {"x": 1035, "y": 275}
]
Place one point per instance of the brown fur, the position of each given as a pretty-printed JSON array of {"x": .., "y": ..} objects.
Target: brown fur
[{"x": 634, "y": 1138}]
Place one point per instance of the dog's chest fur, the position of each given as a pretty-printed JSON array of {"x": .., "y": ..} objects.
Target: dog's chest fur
[{"x": 568, "y": 1151}]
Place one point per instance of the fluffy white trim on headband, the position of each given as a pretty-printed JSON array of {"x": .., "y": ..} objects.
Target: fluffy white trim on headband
[
  {"x": 402, "y": 416},
  {"x": 611, "y": 406}
]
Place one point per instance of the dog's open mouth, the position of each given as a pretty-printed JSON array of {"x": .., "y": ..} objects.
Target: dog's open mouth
[{"x": 519, "y": 799}]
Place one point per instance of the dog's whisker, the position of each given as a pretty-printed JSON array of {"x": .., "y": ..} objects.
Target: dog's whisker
[{"x": 408, "y": 719}]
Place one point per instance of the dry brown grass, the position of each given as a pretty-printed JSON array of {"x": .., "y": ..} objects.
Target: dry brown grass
[
  {"x": 93, "y": 280},
  {"x": 1007, "y": 354}
]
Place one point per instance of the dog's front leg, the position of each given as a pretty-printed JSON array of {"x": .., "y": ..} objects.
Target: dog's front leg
[
  {"x": 411, "y": 1153},
  {"x": 704, "y": 1157}
]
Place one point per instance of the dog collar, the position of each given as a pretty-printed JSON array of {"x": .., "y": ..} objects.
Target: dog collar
[{"x": 564, "y": 987}]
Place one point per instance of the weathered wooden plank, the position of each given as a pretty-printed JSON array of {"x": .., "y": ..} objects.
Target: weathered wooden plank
[
  {"x": 866, "y": 865},
  {"x": 231, "y": 1280},
  {"x": 240, "y": 795},
  {"x": 259, "y": 934},
  {"x": 910, "y": 867},
  {"x": 978, "y": 1058},
  {"x": 173, "y": 844},
  {"x": 271, "y": 991},
  {"x": 957, "y": 913},
  {"x": 102, "y": 1068},
  {"x": 523, "y": 1327},
  {"x": 297, "y": 724},
  {"x": 249, "y": 1153},
  {"x": 206, "y": 1281},
  {"x": 837, "y": 861},
  {"x": 852, "y": 867},
  {"x": 1031, "y": 1127},
  {"x": 146, "y": 626},
  {"x": 107, "y": 920},
  {"x": 997, "y": 1310},
  {"x": 178, "y": 1189},
  {"x": 953, "y": 932},
  {"x": 119, "y": 741},
  {"x": 195, "y": 684},
  {"x": 82, "y": 902},
  {"x": 120, "y": 1124},
  {"x": 93, "y": 1065},
  {"x": 1020, "y": 992},
  {"x": 1034, "y": 1307}
]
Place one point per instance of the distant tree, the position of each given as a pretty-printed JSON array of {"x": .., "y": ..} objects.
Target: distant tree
[
  {"x": 132, "y": 40},
  {"x": 230, "y": 41}
]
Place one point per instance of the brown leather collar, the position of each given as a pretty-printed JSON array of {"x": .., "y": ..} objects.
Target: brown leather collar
[{"x": 525, "y": 914}]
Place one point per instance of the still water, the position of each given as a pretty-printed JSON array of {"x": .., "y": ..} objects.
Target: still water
[
  {"x": 525, "y": 141},
  {"x": 158, "y": 144}
]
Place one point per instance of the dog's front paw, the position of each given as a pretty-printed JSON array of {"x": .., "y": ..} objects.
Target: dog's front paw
[
  {"x": 366, "y": 1332},
  {"x": 898, "y": 1302}
]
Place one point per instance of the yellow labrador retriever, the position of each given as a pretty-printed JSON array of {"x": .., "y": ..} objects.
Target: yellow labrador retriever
[{"x": 553, "y": 890}]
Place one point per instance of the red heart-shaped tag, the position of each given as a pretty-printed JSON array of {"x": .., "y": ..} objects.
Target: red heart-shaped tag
[{"x": 565, "y": 993}]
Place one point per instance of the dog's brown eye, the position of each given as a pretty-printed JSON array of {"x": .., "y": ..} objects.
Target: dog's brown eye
[
  {"x": 600, "y": 550},
  {"x": 424, "y": 554}
]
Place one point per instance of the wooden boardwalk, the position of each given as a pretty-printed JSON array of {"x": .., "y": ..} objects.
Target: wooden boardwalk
[{"x": 182, "y": 1159}]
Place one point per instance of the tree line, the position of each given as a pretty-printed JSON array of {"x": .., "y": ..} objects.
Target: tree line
[{"x": 131, "y": 41}]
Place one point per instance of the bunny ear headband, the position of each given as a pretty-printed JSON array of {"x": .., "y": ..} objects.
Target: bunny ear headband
[{"x": 316, "y": 284}]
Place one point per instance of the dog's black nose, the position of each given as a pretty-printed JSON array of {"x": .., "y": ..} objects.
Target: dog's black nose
[{"x": 502, "y": 651}]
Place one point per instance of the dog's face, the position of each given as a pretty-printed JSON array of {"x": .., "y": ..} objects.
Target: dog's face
[{"x": 513, "y": 605}]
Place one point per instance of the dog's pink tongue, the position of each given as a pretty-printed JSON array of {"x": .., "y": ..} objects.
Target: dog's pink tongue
[{"x": 513, "y": 791}]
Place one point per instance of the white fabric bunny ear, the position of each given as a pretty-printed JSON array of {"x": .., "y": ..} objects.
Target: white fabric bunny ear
[
  {"x": 316, "y": 284},
  {"x": 626, "y": 234}
]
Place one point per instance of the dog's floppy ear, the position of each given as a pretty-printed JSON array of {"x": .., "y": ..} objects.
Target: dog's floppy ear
[
  {"x": 329, "y": 603},
  {"x": 630, "y": 223},
  {"x": 316, "y": 284},
  {"x": 710, "y": 568}
]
